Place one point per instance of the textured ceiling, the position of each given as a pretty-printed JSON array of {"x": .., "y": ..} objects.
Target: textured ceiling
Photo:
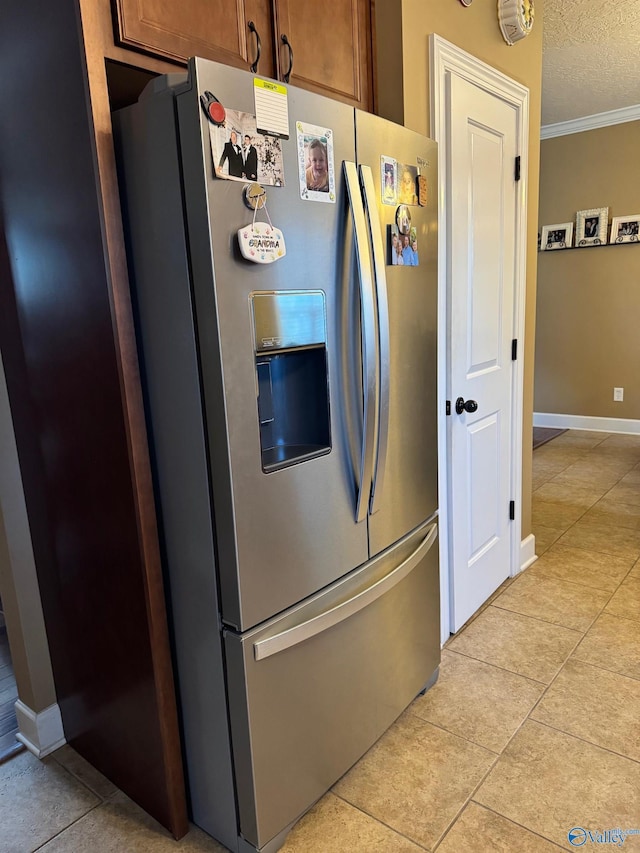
[{"x": 591, "y": 59}]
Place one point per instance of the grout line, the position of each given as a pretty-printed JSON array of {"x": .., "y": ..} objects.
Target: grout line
[
  {"x": 505, "y": 748},
  {"x": 586, "y": 740},
  {"x": 467, "y": 800},
  {"x": 62, "y": 831},
  {"x": 490, "y": 769},
  {"x": 582, "y": 631},
  {"x": 76, "y": 777},
  {"x": 516, "y": 823},
  {"x": 602, "y": 668},
  {"x": 496, "y": 666},
  {"x": 539, "y": 619},
  {"x": 453, "y": 734},
  {"x": 612, "y": 579},
  {"x": 504, "y": 668},
  {"x": 381, "y": 822}
]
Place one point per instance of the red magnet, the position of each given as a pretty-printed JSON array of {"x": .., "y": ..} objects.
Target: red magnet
[{"x": 214, "y": 110}]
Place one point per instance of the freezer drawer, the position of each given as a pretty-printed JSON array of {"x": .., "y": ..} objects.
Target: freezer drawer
[{"x": 310, "y": 692}]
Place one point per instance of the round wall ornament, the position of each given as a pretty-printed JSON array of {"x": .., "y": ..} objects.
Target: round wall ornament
[
  {"x": 466, "y": 2},
  {"x": 516, "y": 19}
]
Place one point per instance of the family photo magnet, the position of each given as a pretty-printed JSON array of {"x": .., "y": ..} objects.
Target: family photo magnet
[
  {"x": 240, "y": 153},
  {"x": 403, "y": 248}
]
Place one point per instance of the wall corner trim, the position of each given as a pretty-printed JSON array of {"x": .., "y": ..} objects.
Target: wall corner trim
[
  {"x": 528, "y": 554},
  {"x": 578, "y": 125},
  {"x": 41, "y": 732}
]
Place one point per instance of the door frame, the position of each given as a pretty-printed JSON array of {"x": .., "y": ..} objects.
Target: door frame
[{"x": 445, "y": 59}]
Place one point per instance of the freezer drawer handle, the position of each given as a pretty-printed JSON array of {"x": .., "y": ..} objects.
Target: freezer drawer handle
[
  {"x": 383, "y": 351},
  {"x": 299, "y": 633}
]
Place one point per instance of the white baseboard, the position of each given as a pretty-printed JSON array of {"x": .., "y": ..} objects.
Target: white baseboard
[
  {"x": 527, "y": 552},
  {"x": 626, "y": 426},
  {"x": 41, "y": 732}
]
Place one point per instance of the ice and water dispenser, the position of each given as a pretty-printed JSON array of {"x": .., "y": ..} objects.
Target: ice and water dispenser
[{"x": 292, "y": 378}]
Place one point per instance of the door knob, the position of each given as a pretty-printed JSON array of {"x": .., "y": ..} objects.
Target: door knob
[{"x": 469, "y": 406}]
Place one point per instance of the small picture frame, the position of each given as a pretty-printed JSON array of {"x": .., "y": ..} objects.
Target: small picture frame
[
  {"x": 403, "y": 219},
  {"x": 591, "y": 226},
  {"x": 625, "y": 229},
  {"x": 389, "y": 180},
  {"x": 403, "y": 248},
  {"x": 556, "y": 236}
]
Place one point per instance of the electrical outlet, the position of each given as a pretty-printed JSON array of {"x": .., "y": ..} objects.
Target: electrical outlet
[{"x": 618, "y": 395}]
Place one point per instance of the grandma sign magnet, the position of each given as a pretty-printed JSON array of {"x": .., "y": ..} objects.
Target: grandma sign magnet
[{"x": 261, "y": 243}]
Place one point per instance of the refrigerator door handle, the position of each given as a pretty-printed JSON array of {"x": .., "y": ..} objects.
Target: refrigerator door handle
[
  {"x": 299, "y": 633},
  {"x": 369, "y": 342},
  {"x": 380, "y": 277}
]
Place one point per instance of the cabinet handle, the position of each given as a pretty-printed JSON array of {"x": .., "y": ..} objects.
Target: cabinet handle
[
  {"x": 254, "y": 64},
  {"x": 286, "y": 41}
]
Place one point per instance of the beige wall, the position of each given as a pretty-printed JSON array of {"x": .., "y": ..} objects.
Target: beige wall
[
  {"x": 589, "y": 299},
  {"x": 18, "y": 582},
  {"x": 475, "y": 29}
]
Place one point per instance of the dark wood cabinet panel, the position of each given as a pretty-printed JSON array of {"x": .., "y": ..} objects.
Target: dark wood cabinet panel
[
  {"x": 68, "y": 346},
  {"x": 331, "y": 47},
  {"x": 213, "y": 29}
]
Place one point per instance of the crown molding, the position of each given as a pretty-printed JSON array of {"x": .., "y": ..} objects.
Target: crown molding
[{"x": 578, "y": 125}]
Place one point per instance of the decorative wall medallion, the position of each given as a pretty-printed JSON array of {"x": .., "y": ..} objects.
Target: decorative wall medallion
[
  {"x": 466, "y": 2},
  {"x": 516, "y": 19}
]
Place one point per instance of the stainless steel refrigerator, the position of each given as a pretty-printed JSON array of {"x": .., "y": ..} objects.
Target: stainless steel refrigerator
[{"x": 292, "y": 420}]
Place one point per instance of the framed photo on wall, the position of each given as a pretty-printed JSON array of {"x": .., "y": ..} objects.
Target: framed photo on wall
[
  {"x": 591, "y": 226},
  {"x": 625, "y": 229},
  {"x": 556, "y": 236}
]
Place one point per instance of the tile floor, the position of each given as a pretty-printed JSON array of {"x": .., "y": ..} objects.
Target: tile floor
[{"x": 532, "y": 729}]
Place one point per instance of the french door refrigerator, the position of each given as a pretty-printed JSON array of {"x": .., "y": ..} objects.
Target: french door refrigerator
[{"x": 292, "y": 420}]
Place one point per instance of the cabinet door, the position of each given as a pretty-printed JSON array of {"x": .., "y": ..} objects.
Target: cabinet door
[
  {"x": 213, "y": 29},
  {"x": 331, "y": 47}
]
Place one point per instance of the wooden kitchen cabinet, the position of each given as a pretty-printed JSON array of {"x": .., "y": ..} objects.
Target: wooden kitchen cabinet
[
  {"x": 213, "y": 29},
  {"x": 331, "y": 45}
]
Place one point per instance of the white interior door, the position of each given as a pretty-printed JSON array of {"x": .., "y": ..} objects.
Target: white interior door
[
  {"x": 482, "y": 267},
  {"x": 480, "y": 119}
]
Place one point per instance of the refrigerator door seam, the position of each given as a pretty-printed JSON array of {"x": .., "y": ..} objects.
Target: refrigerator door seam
[
  {"x": 369, "y": 340},
  {"x": 299, "y": 633},
  {"x": 384, "y": 374}
]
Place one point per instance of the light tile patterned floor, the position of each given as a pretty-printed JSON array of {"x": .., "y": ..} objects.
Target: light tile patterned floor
[{"x": 532, "y": 729}]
